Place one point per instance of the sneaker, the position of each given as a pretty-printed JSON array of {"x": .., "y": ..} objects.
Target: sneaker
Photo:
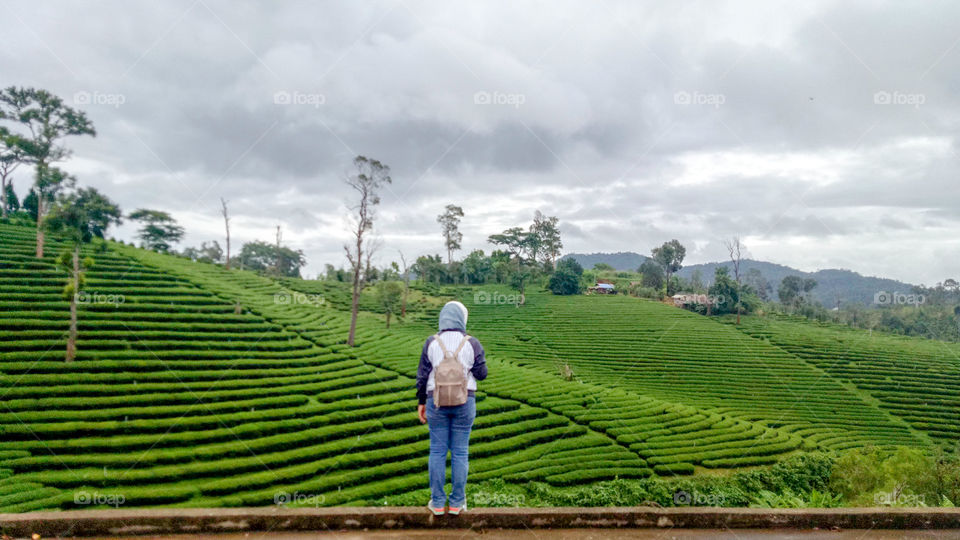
[
  {"x": 455, "y": 510},
  {"x": 436, "y": 511}
]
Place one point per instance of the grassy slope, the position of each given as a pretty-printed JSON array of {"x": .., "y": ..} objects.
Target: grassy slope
[
  {"x": 915, "y": 379},
  {"x": 176, "y": 399},
  {"x": 671, "y": 354}
]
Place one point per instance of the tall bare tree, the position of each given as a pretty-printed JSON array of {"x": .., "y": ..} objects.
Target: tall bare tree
[
  {"x": 406, "y": 284},
  {"x": 449, "y": 222},
  {"x": 226, "y": 224},
  {"x": 734, "y": 247},
  {"x": 276, "y": 266},
  {"x": 368, "y": 177},
  {"x": 47, "y": 121}
]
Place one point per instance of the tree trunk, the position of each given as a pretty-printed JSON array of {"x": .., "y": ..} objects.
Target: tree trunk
[
  {"x": 72, "y": 339},
  {"x": 354, "y": 306},
  {"x": 3, "y": 197},
  {"x": 40, "y": 168},
  {"x": 226, "y": 224},
  {"x": 388, "y": 320},
  {"x": 355, "y": 301},
  {"x": 406, "y": 289},
  {"x": 39, "y": 227}
]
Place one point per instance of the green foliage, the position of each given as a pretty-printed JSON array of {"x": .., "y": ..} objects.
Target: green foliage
[
  {"x": 268, "y": 258},
  {"x": 389, "y": 295},
  {"x": 795, "y": 290},
  {"x": 653, "y": 276},
  {"x": 566, "y": 278},
  {"x": 158, "y": 231},
  {"x": 670, "y": 257},
  {"x": 449, "y": 222}
]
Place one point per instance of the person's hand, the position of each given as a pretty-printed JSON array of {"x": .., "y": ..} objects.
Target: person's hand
[{"x": 422, "y": 413}]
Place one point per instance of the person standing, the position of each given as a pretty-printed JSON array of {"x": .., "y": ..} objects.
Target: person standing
[{"x": 450, "y": 365}]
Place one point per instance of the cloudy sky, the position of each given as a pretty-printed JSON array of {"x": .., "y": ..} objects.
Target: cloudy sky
[{"x": 823, "y": 133}]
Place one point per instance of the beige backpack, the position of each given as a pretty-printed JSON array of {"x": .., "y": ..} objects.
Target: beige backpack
[{"x": 450, "y": 380}]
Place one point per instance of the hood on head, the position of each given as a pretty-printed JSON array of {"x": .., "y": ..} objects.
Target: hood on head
[{"x": 453, "y": 316}]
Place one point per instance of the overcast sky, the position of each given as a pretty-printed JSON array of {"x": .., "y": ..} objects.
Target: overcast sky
[{"x": 823, "y": 133}]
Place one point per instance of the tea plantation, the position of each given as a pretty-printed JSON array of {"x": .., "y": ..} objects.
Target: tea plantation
[{"x": 198, "y": 386}]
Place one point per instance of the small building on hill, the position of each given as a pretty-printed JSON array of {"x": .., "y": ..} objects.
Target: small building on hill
[{"x": 603, "y": 288}]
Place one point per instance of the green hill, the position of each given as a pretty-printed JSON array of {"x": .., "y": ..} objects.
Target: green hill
[{"x": 198, "y": 386}]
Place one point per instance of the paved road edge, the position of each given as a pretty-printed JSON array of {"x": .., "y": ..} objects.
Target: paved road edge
[{"x": 134, "y": 522}]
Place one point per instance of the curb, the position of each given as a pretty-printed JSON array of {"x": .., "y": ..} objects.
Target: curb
[{"x": 276, "y": 519}]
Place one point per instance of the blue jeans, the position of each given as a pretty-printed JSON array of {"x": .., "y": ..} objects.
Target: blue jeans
[{"x": 450, "y": 431}]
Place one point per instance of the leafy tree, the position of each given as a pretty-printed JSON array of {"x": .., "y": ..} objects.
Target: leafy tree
[
  {"x": 11, "y": 203},
  {"x": 158, "y": 231},
  {"x": 332, "y": 273},
  {"x": 566, "y": 278},
  {"x": 268, "y": 258},
  {"x": 11, "y": 157},
  {"x": 30, "y": 204},
  {"x": 449, "y": 222},
  {"x": 430, "y": 268},
  {"x": 406, "y": 285},
  {"x": 652, "y": 274},
  {"x": 754, "y": 278},
  {"x": 729, "y": 296},
  {"x": 514, "y": 241},
  {"x": 546, "y": 235},
  {"x": 477, "y": 267},
  {"x": 794, "y": 290},
  {"x": 47, "y": 120},
  {"x": 603, "y": 267},
  {"x": 207, "y": 252},
  {"x": 389, "y": 297},
  {"x": 670, "y": 257},
  {"x": 523, "y": 276},
  {"x": 369, "y": 177},
  {"x": 79, "y": 217}
]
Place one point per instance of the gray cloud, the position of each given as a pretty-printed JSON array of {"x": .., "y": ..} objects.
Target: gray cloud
[{"x": 822, "y": 132}]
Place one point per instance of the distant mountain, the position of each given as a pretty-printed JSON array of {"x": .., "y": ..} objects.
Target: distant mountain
[
  {"x": 621, "y": 260},
  {"x": 850, "y": 286}
]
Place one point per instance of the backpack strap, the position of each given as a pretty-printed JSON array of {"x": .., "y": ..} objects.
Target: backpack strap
[
  {"x": 460, "y": 347},
  {"x": 456, "y": 353},
  {"x": 439, "y": 341}
]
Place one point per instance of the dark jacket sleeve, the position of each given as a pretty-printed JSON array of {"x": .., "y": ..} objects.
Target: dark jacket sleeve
[
  {"x": 423, "y": 372},
  {"x": 479, "y": 368}
]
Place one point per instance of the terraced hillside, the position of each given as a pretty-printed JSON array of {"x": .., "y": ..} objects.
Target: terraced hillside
[
  {"x": 915, "y": 379},
  {"x": 177, "y": 399},
  {"x": 670, "y": 437},
  {"x": 198, "y": 386},
  {"x": 674, "y": 355}
]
